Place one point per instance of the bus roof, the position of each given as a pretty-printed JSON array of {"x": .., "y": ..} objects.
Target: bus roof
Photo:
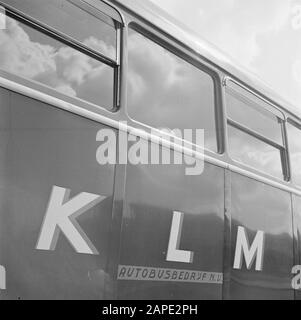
[{"x": 161, "y": 19}]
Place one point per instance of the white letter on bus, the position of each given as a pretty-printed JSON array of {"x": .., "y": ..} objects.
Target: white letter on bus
[
  {"x": 242, "y": 245},
  {"x": 61, "y": 215},
  {"x": 173, "y": 252},
  {"x": 296, "y": 282},
  {"x": 2, "y": 278}
]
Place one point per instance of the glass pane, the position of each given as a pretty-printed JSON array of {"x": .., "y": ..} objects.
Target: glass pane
[
  {"x": 294, "y": 138},
  {"x": 253, "y": 116},
  {"x": 254, "y": 153},
  {"x": 66, "y": 17},
  {"x": 28, "y": 53},
  {"x": 165, "y": 91}
]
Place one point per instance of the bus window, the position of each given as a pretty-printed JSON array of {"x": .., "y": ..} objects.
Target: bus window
[
  {"x": 165, "y": 91},
  {"x": 97, "y": 31},
  {"x": 75, "y": 60},
  {"x": 255, "y": 133},
  {"x": 253, "y": 152},
  {"x": 254, "y": 116},
  {"x": 294, "y": 138}
]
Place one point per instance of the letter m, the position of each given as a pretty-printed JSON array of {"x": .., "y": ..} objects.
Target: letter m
[
  {"x": 61, "y": 216},
  {"x": 249, "y": 252}
]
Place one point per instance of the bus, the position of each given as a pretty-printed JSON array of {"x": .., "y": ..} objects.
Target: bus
[{"x": 72, "y": 227}]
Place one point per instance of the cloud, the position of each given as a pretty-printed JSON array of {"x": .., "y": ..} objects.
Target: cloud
[
  {"x": 278, "y": 64},
  {"x": 19, "y": 55},
  {"x": 160, "y": 80},
  {"x": 296, "y": 69},
  {"x": 60, "y": 67},
  {"x": 232, "y": 25},
  {"x": 161, "y": 84},
  {"x": 101, "y": 46},
  {"x": 257, "y": 34},
  {"x": 72, "y": 66},
  {"x": 258, "y": 155}
]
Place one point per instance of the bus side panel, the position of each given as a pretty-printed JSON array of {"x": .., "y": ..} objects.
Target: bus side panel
[
  {"x": 297, "y": 220},
  {"x": 153, "y": 194},
  {"x": 4, "y": 137},
  {"x": 259, "y": 207},
  {"x": 43, "y": 148}
]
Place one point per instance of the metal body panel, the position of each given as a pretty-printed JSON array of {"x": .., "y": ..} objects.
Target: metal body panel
[
  {"x": 152, "y": 194},
  {"x": 257, "y": 206},
  {"x": 297, "y": 227},
  {"x": 47, "y": 147}
]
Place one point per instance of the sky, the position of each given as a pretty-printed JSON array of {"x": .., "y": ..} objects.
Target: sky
[{"x": 264, "y": 36}]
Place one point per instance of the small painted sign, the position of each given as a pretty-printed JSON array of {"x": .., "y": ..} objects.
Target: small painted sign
[{"x": 140, "y": 273}]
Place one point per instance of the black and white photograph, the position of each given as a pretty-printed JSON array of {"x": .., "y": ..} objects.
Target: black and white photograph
[{"x": 150, "y": 150}]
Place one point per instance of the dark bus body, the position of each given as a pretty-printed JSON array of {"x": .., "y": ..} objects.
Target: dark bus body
[{"x": 53, "y": 104}]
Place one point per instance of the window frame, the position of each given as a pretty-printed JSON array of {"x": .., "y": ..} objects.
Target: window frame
[
  {"x": 290, "y": 121},
  {"x": 275, "y": 111},
  {"x": 178, "y": 49},
  {"x": 69, "y": 41}
]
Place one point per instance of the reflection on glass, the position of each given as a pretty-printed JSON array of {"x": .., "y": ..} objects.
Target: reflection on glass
[
  {"x": 294, "y": 138},
  {"x": 67, "y": 18},
  {"x": 165, "y": 91},
  {"x": 254, "y": 153},
  {"x": 253, "y": 116},
  {"x": 30, "y": 54}
]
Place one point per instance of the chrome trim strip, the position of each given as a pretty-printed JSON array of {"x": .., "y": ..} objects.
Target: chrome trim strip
[
  {"x": 107, "y": 8},
  {"x": 29, "y": 92},
  {"x": 61, "y": 37},
  {"x": 252, "y": 92},
  {"x": 52, "y": 100},
  {"x": 254, "y": 134}
]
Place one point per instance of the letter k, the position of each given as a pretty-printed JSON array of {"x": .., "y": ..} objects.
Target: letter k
[{"x": 61, "y": 215}]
